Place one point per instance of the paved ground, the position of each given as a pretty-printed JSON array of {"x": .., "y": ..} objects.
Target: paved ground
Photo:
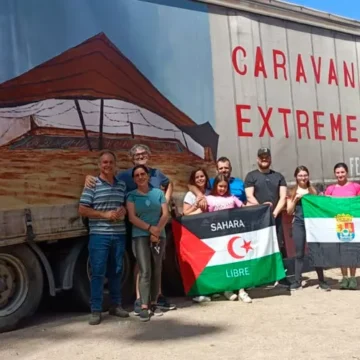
[{"x": 309, "y": 324}]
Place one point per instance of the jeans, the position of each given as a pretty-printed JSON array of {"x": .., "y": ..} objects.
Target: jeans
[
  {"x": 150, "y": 265},
  {"x": 106, "y": 257},
  {"x": 299, "y": 237}
]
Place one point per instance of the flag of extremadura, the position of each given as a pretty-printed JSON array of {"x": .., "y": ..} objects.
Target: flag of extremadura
[
  {"x": 227, "y": 250},
  {"x": 332, "y": 230}
]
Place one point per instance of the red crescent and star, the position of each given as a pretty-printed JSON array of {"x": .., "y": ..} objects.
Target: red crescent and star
[{"x": 246, "y": 245}]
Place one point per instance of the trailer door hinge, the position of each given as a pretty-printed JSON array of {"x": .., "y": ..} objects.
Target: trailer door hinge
[{"x": 29, "y": 227}]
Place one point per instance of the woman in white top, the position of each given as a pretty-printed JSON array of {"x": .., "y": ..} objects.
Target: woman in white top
[{"x": 200, "y": 179}]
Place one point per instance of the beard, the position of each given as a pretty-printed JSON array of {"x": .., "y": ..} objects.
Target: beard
[
  {"x": 263, "y": 166},
  {"x": 227, "y": 175}
]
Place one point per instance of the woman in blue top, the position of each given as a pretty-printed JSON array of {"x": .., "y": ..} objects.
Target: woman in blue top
[{"x": 149, "y": 213}]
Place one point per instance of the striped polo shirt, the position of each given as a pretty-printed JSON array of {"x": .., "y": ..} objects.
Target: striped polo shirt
[{"x": 105, "y": 197}]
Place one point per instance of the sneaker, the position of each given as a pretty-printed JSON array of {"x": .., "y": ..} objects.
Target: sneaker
[
  {"x": 163, "y": 304},
  {"x": 230, "y": 295},
  {"x": 344, "y": 283},
  {"x": 137, "y": 307},
  {"x": 352, "y": 283},
  {"x": 200, "y": 299},
  {"x": 154, "y": 310},
  {"x": 118, "y": 311},
  {"x": 95, "y": 318},
  {"x": 144, "y": 315},
  {"x": 295, "y": 286},
  {"x": 244, "y": 297},
  {"x": 323, "y": 285}
]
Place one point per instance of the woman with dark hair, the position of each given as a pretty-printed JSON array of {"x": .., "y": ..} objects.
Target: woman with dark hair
[
  {"x": 294, "y": 207},
  {"x": 220, "y": 199},
  {"x": 344, "y": 188},
  {"x": 149, "y": 213},
  {"x": 200, "y": 179}
]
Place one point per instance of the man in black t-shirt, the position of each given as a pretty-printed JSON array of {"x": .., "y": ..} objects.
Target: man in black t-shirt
[{"x": 266, "y": 186}]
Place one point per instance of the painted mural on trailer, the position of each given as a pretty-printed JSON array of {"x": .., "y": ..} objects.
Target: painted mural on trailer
[
  {"x": 192, "y": 81},
  {"x": 58, "y": 115}
]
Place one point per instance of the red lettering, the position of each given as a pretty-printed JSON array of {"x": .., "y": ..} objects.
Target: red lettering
[
  {"x": 235, "y": 61},
  {"x": 350, "y": 128},
  {"x": 285, "y": 113},
  {"x": 259, "y": 63},
  {"x": 349, "y": 78},
  {"x": 332, "y": 73},
  {"x": 318, "y": 125},
  {"x": 335, "y": 125},
  {"x": 300, "y": 70},
  {"x": 316, "y": 68},
  {"x": 279, "y": 64},
  {"x": 300, "y": 124},
  {"x": 241, "y": 120},
  {"x": 266, "y": 119}
]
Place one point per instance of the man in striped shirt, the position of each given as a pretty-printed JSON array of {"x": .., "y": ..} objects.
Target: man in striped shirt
[{"x": 103, "y": 204}]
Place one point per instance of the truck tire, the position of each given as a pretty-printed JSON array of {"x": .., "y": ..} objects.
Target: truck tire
[
  {"x": 81, "y": 286},
  {"x": 21, "y": 285},
  {"x": 171, "y": 278}
]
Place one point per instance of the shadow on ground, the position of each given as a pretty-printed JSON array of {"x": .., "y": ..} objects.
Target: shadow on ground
[
  {"x": 170, "y": 329},
  {"x": 267, "y": 292},
  {"x": 69, "y": 328},
  {"x": 54, "y": 317}
]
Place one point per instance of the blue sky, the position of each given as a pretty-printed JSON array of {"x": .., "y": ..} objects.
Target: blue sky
[{"x": 347, "y": 8}]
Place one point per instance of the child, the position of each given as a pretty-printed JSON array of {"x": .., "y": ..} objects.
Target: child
[{"x": 221, "y": 199}]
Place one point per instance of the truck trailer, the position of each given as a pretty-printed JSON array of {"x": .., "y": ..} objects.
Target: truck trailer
[{"x": 193, "y": 80}]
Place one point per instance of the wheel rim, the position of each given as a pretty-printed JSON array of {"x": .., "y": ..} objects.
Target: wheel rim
[{"x": 15, "y": 284}]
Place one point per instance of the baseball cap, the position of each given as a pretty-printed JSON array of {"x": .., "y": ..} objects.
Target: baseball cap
[{"x": 264, "y": 151}]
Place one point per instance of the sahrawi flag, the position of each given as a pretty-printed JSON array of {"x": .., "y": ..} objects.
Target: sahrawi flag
[
  {"x": 332, "y": 230},
  {"x": 227, "y": 250}
]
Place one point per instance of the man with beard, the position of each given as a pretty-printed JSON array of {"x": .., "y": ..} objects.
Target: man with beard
[
  {"x": 223, "y": 166},
  {"x": 266, "y": 186},
  {"x": 140, "y": 155}
]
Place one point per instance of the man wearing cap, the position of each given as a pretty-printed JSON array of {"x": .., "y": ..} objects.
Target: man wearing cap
[{"x": 266, "y": 186}]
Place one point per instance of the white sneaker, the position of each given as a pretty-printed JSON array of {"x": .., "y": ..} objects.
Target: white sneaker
[
  {"x": 200, "y": 299},
  {"x": 244, "y": 297},
  {"x": 230, "y": 295}
]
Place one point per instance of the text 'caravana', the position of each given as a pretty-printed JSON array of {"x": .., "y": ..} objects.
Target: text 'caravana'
[{"x": 277, "y": 65}]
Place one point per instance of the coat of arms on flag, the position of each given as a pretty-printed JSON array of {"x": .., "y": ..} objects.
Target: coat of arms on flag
[
  {"x": 332, "y": 226},
  {"x": 227, "y": 250},
  {"x": 345, "y": 227}
]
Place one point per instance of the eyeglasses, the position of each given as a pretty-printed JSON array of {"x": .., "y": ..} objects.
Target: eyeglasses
[
  {"x": 144, "y": 155},
  {"x": 140, "y": 175}
]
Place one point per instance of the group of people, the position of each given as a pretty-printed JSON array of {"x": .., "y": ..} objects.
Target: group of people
[
  {"x": 342, "y": 188},
  {"x": 136, "y": 202},
  {"x": 133, "y": 203}
]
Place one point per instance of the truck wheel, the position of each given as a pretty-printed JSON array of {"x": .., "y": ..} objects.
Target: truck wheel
[
  {"x": 21, "y": 285},
  {"x": 82, "y": 275},
  {"x": 171, "y": 278}
]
